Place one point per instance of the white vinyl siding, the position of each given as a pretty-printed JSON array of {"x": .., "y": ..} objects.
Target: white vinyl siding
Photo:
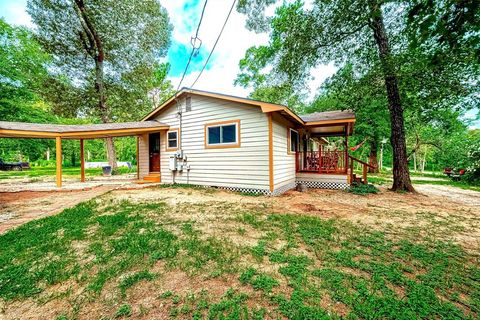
[
  {"x": 315, "y": 177},
  {"x": 283, "y": 163},
  {"x": 143, "y": 156},
  {"x": 242, "y": 167}
]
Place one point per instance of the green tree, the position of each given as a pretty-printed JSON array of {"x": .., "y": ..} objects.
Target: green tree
[
  {"x": 345, "y": 91},
  {"x": 370, "y": 34},
  {"x": 104, "y": 46},
  {"x": 22, "y": 74},
  {"x": 446, "y": 25},
  {"x": 333, "y": 31},
  {"x": 22, "y": 65}
]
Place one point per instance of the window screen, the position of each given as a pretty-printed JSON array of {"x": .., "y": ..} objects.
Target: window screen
[
  {"x": 293, "y": 141},
  {"x": 224, "y": 134},
  {"x": 172, "y": 137}
]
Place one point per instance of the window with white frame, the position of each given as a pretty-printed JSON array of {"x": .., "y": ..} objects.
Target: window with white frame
[
  {"x": 294, "y": 141},
  {"x": 222, "y": 134},
  {"x": 172, "y": 139}
]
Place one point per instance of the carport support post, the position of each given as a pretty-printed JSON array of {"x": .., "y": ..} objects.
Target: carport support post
[
  {"x": 59, "y": 161},
  {"x": 82, "y": 162}
]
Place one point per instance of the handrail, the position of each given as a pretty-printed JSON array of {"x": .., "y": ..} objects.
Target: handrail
[
  {"x": 362, "y": 162},
  {"x": 365, "y": 166}
]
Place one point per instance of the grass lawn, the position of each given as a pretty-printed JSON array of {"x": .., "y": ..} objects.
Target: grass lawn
[
  {"x": 199, "y": 257},
  {"x": 38, "y": 172}
]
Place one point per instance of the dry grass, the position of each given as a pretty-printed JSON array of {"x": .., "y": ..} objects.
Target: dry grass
[{"x": 165, "y": 253}]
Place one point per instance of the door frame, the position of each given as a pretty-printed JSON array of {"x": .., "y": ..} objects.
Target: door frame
[{"x": 150, "y": 152}]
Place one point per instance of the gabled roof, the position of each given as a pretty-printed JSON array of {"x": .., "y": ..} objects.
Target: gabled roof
[
  {"x": 266, "y": 106},
  {"x": 39, "y": 130},
  {"x": 317, "y": 118}
]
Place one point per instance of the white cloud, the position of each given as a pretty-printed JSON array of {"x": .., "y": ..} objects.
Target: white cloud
[
  {"x": 235, "y": 40},
  {"x": 15, "y": 13},
  {"x": 184, "y": 14}
]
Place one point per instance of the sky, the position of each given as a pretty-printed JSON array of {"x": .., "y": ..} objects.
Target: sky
[
  {"x": 184, "y": 16},
  {"x": 223, "y": 67}
]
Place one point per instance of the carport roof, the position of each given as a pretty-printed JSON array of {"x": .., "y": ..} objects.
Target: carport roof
[{"x": 83, "y": 131}]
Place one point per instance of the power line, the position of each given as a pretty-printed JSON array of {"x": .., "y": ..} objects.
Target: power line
[
  {"x": 193, "y": 41},
  {"x": 218, "y": 38}
]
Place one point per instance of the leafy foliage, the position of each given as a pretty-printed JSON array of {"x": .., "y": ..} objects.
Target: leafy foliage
[
  {"x": 363, "y": 189},
  {"x": 134, "y": 36},
  {"x": 449, "y": 25}
]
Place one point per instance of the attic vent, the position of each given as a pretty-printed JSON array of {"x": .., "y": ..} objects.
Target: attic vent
[{"x": 188, "y": 104}]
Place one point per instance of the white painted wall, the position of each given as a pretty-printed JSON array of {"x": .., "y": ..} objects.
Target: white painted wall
[
  {"x": 143, "y": 165},
  {"x": 283, "y": 163},
  {"x": 242, "y": 167}
]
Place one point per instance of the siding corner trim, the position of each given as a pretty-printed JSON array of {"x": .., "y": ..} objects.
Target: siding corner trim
[{"x": 270, "y": 151}]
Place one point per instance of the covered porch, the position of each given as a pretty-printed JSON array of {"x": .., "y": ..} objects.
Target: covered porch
[
  {"x": 78, "y": 132},
  {"x": 323, "y": 153},
  {"x": 324, "y": 142}
]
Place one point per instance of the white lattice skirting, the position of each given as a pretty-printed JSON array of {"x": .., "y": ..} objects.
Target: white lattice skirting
[
  {"x": 285, "y": 188},
  {"x": 323, "y": 184},
  {"x": 265, "y": 192},
  {"x": 248, "y": 190}
]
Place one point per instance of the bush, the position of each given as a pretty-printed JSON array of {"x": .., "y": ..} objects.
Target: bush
[
  {"x": 472, "y": 173},
  {"x": 363, "y": 189}
]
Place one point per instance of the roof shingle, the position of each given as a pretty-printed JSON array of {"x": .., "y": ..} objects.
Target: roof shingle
[
  {"x": 69, "y": 128},
  {"x": 328, "y": 115}
]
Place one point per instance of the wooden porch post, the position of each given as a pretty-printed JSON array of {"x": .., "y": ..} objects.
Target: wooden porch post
[
  {"x": 59, "y": 161},
  {"x": 138, "y": 163},
  {"x": 82, "y": 162},
  {"x": 347, "y": 128}
]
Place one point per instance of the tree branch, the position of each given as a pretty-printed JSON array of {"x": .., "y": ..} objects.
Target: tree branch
[
  {"x": 92, "y": 34},
  {"x": 343, "y": 35}
]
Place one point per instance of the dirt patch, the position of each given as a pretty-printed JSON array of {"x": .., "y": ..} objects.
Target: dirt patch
[
  {"x": 443, "y": 212},
  {"x": 17, "y": 208},
  {"x": 7, "y": 197},
  {"x": 447, "y": 214}
]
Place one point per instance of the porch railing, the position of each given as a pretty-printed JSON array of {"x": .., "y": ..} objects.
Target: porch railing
[
  {"x": 365, "y": 166},
  {"x": 321, "y": 161}
]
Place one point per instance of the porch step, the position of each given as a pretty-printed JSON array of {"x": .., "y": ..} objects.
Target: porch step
[
  {"x": 357, "y": 179},
  {"x": 152, "y": 177}
]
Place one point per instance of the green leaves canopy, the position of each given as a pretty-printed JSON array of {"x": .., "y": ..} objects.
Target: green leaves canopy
[{"x": 135, "y": 36}]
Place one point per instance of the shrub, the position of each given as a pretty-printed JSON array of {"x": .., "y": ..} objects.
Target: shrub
[{"x": 363, "y": 189}]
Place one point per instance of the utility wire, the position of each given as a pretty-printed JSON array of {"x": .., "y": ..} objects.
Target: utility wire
[
  {"x": 218, "y": 38},
  {"x": 193, "y": 41}
]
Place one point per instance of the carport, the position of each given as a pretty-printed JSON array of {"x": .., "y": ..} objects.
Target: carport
[{"x": 78, "y": 132}]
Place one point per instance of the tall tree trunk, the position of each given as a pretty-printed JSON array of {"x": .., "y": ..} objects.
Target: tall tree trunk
[
  {"x": 94, "y": 47},
  {"x": 100, "y": 88},
  {"x": 372, "y": 157},
  {"x": 401, "y": 175},
  {"x": 414, "y": 161},
  {"x": 424, "y": 160}
]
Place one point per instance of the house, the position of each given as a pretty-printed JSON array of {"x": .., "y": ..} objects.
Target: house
[
  {"x": 210, "y": 139},
  {"x": 244, "y": 145}
]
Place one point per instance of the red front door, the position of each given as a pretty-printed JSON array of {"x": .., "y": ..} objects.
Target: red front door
[{"x": 154, "y": 152}]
